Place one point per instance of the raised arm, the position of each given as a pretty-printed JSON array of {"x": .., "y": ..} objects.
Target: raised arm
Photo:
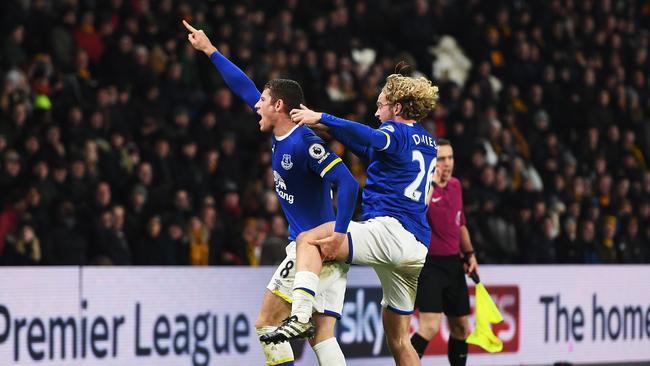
[{"x": 234, "y": 77}]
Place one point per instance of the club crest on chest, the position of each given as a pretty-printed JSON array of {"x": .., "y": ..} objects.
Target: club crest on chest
[{"x": 286, "y": 162}]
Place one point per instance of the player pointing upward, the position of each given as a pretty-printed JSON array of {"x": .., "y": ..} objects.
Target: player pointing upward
[
  {"x": 304, "y": 169},
  {"x": 394, "y": 237}
]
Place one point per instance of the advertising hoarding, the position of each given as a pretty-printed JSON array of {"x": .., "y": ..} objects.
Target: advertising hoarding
[{"x": 206, "y": 316}]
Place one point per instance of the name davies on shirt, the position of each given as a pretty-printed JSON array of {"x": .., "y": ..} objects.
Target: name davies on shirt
[{"x": 424, "y": 139}]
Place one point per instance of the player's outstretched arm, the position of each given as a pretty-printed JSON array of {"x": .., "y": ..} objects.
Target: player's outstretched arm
[
  {"x": 358, "y": 132},
  {"x": 306, "y": 116},
  {"x": 234, "y": 77}
]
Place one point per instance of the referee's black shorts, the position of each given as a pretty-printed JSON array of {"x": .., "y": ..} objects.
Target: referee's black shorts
[{"x": 442, "y": 287}]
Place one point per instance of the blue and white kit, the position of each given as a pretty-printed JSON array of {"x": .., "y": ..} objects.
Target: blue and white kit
[
  {"x": 394, "y": 234},
  {"x": 304, "y": 169}
]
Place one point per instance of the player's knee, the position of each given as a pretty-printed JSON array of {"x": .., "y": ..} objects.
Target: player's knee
[
  {"x": 428, "y": 329},
  {"x": 459, "y": 331}
]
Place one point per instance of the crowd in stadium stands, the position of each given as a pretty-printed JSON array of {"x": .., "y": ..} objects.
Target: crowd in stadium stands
[{"x": 120, "y": 144}]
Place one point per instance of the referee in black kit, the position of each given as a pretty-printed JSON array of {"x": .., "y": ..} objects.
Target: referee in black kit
[{"x": 441, "y": 286}]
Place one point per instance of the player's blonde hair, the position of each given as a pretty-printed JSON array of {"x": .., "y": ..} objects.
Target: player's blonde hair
[{"x": 417, "y": 95}]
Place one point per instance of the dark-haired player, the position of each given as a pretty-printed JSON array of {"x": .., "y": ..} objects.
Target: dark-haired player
[{"x": 304, "y": 169}]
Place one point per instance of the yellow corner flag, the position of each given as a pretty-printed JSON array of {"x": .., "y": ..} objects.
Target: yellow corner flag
[{"x": 486, "y": 313}]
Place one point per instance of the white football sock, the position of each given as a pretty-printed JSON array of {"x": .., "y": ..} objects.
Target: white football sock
[
  {"x": 305, "y": 285},
  {"x": 329, "y": 353}
]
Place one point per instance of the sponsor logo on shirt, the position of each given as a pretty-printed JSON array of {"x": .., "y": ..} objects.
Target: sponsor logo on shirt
[
  {"x": 388, "y": 128},
  {"x": 280, "y": 188}
]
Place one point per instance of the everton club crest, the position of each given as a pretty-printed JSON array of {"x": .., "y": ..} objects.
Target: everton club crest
[{"x": 286, "y": 162}]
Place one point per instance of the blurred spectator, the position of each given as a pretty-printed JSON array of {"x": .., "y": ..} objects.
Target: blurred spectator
[
  {"x": 179, "y": 242},
  {"x": 631, "y": 248},
  {"x": 65, "y": 243},
  {"x": 541, "y": 250},
  {"x": 155, "y": 247},
  {"x": 25, "y": 249},
  {"x": 567, "y": 245},
  {"x": 588, "y": 242},
  {"x": 199, "y": 237},
  {"x": 214, "y": 226},
  {"x": 274, "y": 246},
  {"x": 109, "y": 241},
  {"x": 607, "y": 251}
]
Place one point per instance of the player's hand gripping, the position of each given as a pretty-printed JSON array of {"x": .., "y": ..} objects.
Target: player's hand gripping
[
  {"x": 199, "y": 40},
  {"x": 329, "y": 247},
  {"x": 305, "y": 116}
]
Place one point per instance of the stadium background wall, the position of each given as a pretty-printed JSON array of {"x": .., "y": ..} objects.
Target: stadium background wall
[{"x": 191, "y": 316}]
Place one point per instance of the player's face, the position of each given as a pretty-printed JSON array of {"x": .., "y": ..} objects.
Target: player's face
[
  {"x": 266, "y": 109},
  {"x": 385, "y": 110},
  {"x": 445, "y": 162}
]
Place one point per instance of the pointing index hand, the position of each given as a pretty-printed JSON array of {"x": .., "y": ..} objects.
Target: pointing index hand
[{"x": 189, "y": 27}]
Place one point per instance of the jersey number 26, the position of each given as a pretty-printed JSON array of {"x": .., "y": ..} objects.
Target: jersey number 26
[{"x": 411, "y": 191}]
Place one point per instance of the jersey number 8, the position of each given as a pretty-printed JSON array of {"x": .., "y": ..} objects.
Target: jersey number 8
[{"x": 285, "y": 271}]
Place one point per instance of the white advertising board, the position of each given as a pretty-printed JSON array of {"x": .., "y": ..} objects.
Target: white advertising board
[{"x": 206, "y": 316}]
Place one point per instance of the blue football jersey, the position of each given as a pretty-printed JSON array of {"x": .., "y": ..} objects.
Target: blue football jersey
[
  {"x": 399, "y": 177},
  {"x": 300, "y": 161}
]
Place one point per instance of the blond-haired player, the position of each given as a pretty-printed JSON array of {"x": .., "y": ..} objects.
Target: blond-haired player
[{"x": 394, "y": 234}]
